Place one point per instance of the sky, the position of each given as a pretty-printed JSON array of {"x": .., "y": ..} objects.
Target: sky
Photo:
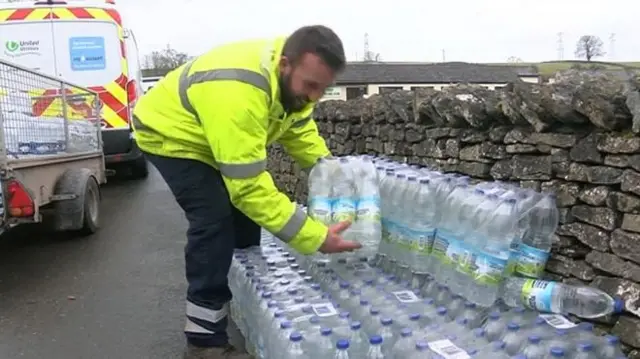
[{"x": 399, "y": 30}]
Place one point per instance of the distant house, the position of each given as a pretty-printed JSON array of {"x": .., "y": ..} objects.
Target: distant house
[{"x": 367, "y": 78}]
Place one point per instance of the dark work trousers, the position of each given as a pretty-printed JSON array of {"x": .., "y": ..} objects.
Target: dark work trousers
[{"x": 216, "y": 227}]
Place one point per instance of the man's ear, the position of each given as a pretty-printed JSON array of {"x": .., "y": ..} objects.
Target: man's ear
[{"x": 284, "y": 63}]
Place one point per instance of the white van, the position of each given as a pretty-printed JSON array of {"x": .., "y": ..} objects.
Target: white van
[{"x": 86, "y": 43}]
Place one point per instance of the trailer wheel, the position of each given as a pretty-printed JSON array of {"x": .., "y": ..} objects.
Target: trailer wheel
[
  {"x": 81, "y": 212},
  {"x": 91, "y": 210}
]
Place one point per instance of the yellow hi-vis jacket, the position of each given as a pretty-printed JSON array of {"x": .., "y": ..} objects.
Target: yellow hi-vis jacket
[{"x": 223, "y": 109}]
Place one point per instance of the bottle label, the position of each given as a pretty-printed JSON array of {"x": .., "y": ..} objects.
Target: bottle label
[
  {"x": 406, "y": 296},
  {"x": 421, "y": 241},
  {"x": 467, "y": 260},
  {"x": 558, "y": 321},
  {"x": 530, "y": 261},
  {"x": 385, "y": 229},
  {"x": 513, "y": 261},
  {"x": 368, "y": 209},
  {"x": 320, "y": 209},
  {"x": 454, "y": 248},
  {"x": 344, "y": 209},
  {"x": 324, "y": 309},
  {"x": 537, "y": 294},
  {"x": 441, "y": 246},
  {"x": 489, "y": 269},
  {"x": 448, "y": 350}
]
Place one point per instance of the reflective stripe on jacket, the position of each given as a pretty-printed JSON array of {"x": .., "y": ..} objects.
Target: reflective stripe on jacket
[{"x": 223, "y": 108}]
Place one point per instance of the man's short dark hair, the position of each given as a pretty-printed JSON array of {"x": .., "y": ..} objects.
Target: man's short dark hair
[{"x": 319, "y": 40}]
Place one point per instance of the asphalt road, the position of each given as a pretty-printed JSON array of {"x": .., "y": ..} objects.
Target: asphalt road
[{"x": 116, "y": 295}]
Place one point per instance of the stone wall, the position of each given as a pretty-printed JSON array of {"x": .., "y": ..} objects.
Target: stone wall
[{"x": 575, "y": 137}]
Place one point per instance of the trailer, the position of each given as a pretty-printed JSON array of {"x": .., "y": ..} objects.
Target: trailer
[{"x": 52, "y": 166}]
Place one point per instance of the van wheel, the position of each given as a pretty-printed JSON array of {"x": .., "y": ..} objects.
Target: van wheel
[
  {"x": 91, "y": 208},
  {"x": 139, "y": 168}
]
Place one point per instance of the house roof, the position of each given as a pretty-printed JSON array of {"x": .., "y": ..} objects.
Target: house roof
[
  {"x": 418, "y": 73},
  {"x": 421, "y": 73}
]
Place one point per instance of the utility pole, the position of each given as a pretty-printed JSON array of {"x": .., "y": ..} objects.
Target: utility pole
[
  {"x": 560, "y": 47},
  {"x": 444, "y": 55},
  {"x": 612, "y": 47}
]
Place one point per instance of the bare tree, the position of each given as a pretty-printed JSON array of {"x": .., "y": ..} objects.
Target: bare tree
[
  {"x": 588, "y": 47},
  {"x": 371, "y": 56},
  {"x": 166, "y": 59}
]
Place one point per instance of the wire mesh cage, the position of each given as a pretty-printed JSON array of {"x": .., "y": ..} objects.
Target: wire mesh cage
[{"x": 44, "y": 116}]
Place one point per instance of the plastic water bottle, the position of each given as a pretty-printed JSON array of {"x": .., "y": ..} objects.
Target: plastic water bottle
[
  {"x": 295, "y": 350},
  {"x": 534, "y": 248},
  {"x": 342, "y": 349},
  {"x": 344, "y": 206},
  {"x": 367, "y": 225},
  {"x": 375, "y": 348},
  {"x": 319, "y": 199},
  {"x": 554, "y": 297}
]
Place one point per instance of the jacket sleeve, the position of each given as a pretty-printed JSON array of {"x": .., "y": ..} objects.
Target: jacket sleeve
[
  {"x": 234, "y": 117},
  {"x": 303, "y": 142}
]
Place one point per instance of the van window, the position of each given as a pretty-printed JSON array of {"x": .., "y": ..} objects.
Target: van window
[
  {"x": 28, "y": 44},
  {"x": 87, "y": 52}
]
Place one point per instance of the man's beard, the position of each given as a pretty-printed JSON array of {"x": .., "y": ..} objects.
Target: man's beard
[{"x": 290, "y": 102}]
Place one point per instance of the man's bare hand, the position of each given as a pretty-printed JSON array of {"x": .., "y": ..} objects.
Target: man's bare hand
[{"x": 334, "y": 243}]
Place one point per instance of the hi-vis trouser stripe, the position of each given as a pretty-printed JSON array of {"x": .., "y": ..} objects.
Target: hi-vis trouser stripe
[
  {"x": 202, "y": 320},
  {"x": 235, "y": 170}
]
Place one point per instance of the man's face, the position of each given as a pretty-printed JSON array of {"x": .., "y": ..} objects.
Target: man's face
[{"x": 304, "y": 81}]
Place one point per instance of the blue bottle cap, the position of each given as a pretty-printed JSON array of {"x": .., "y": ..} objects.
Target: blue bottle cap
[
  {"x": 286, "y": 324},
  {"x": 375, "y": 340},
  {"x": 586, "y": 326},
  {"x": 386, "y": 321},
  {"x": 355, "y": 325},
  {"x": 534, "y": 339},
  {"x": 612, "y": 340},
  {"x": 295, "y": 337},
  {"x": 344, "y": 315},
  {"x": 462, "y": 321},
  {"x": 499, "y": 345},
  {"x": 364, "y": 302},
  {"x": 374, "y": 311},
  {"x": 470, "y": 305},
  {"x": 428, "y": 301},
  {"x": 585, "y": 346},
  {"x": 441, "y": 310},
  {"x": 406, "y": 332},
  {"x": 342, "y": 344},
  {"x": 513, "y": 326},
  {"x": 422, "y": 345},
  {"x": 557, "y": 352},
  {"x": 344, "y": 285},
  {"x": 326, "y": 331},
  {"x": 618, "y": 305},
  {"x": 479, "y": 332},
  {"x": 495, "y": 315},
  {"x": 414, "y": 316},
  {"x": 314, "y": 320}
]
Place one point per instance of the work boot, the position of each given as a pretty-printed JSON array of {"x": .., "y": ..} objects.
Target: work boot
[{"x": 226, "y": 352}]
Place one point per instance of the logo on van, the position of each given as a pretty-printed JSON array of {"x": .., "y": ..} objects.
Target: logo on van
[{"x": 20, "y": 48}]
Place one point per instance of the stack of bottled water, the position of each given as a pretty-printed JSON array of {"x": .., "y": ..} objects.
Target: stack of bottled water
[
  {"x": 289, "y": 306},
  {"x": 448, "y": 269}
]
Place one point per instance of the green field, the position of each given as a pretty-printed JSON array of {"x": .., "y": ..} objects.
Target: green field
[{"x": 549, "y": 68}]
